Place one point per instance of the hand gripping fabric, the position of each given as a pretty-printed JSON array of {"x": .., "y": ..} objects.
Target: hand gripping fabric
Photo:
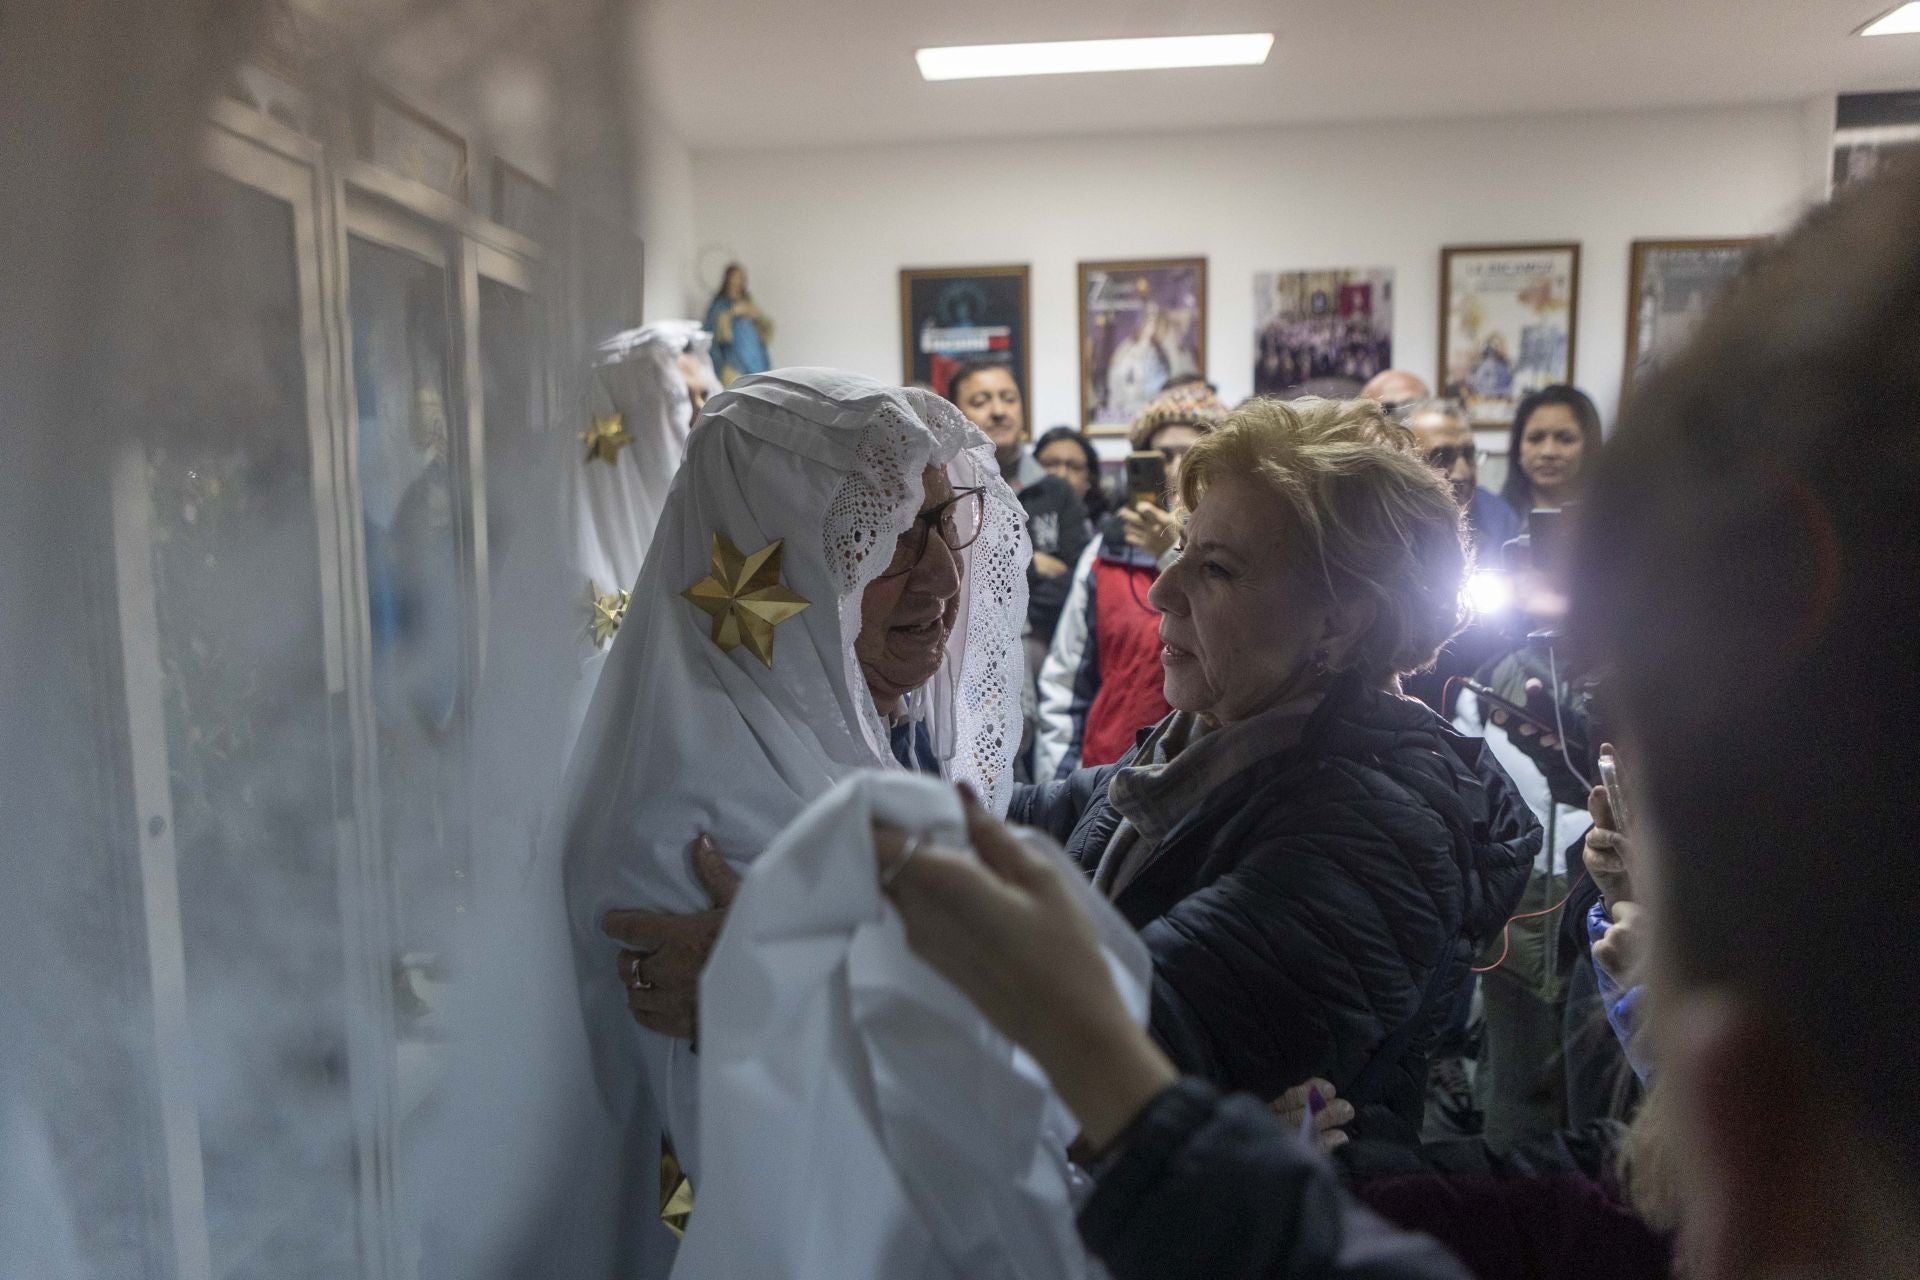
[{"x": 860, "y": 1120}]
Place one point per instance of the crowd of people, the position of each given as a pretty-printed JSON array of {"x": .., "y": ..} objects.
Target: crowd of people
[
  {"x": 1375, "y": 928},
  {"x": 1292, "y": 351},
  {"x": 1352, "y": 919}
]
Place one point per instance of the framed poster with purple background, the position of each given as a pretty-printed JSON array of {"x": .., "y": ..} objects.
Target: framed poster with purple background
[{"x": 1142, "y": 323}]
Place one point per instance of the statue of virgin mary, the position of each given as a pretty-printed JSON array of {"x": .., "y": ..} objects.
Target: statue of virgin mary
[{"x": 741, "y": 331}]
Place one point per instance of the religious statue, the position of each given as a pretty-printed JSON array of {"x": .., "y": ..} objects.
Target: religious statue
[{"x": 740, "y": 329}]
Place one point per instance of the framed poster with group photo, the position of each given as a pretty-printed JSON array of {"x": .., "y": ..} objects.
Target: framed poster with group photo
[
  {"x": 952, "y": 316},
  {"x": 1670, "y": 285},
  {"x": 1507, "y": 324},
  {"x": 1142, "y": 324},
  {"x": 1321, "y": 333}
]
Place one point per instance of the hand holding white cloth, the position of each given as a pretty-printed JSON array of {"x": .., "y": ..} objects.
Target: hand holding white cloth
[{"x": 859, "y": 1118}]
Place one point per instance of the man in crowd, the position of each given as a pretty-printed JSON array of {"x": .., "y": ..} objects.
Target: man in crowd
[
  {"x": 1441, "y": 429},
  {"x": 1392, "y": 388}
]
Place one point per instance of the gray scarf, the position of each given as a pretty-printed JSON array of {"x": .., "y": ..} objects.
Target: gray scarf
[{"x": 1178, "y": 765}]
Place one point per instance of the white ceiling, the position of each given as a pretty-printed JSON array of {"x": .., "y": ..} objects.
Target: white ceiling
[{"x": 741, "y": 74}]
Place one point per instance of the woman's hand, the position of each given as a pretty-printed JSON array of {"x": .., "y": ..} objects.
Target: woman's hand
[
  {"x": 1295, "y": 1104},
  {"x": 1608, "y": 853},
  {"x": 664, "y": 953},
  {"x": 1007, "y": 930},
  {"x": 1048, "y": 566},
  {"x": 1150, "y": 529}
]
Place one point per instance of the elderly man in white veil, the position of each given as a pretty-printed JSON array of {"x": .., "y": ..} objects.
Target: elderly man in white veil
[{"x": 836, "y": 584}]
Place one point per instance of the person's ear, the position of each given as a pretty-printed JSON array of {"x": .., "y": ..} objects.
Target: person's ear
[
  {"x": 1345, "y": 623},
  {"x": 1753, "y": 1142}
]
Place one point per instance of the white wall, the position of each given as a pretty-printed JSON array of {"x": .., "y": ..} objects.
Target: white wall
[
  {"x": 664, "y": 206},
  {"x": 824, "y": 233}
]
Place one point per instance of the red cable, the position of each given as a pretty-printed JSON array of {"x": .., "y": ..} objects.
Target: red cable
[{"x": 1506, "y": 930}]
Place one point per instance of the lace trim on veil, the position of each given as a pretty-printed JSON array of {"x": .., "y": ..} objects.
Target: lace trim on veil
[{"x": 972, "y": 713}]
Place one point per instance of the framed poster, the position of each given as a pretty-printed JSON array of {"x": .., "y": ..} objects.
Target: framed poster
[
  {"x": 950, "y": 316},
  {"x": 1670, "y": 284},
  {"x": 1141, "y": 324},
  {"x": 1507, "y": 315},
  {"x": 1321, "y": 333}
]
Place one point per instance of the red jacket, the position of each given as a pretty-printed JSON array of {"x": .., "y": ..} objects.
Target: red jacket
[{"x": 1102, "y": 682}]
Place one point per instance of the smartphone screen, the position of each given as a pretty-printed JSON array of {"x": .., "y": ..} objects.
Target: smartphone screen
[{"x": 1147, "y": 478}]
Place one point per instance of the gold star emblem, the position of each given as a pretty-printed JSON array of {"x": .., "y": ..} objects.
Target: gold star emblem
[
  {"x": 609, "y": 611},
  {"x": 744, "y": 596},
  {"x": 606, "y": 438}
]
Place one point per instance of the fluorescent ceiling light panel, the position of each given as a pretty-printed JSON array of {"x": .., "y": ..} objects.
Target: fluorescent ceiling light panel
[
  {"x": 1904, "y": 21},
  {"x": 1065, "y": 57}
]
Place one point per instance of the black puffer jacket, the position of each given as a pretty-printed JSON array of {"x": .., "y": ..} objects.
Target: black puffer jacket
[{"x": 1319, "y": 910}]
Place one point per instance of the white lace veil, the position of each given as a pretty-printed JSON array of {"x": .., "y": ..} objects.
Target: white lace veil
[{"x": 682, "y": 738}]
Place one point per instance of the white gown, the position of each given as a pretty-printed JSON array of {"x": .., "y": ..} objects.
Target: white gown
[{"x": 684, "y": 738}]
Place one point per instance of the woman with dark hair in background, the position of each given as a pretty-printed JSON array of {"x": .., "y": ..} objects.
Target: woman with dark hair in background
[
  {"x": 1526, "y": 1080},
  {"x": 1068, "y": 454},
  {"x": 1556, "y": 435}
]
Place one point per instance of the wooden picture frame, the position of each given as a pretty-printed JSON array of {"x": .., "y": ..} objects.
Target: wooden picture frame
[
  {"x": 1160, "y": 286},
  {"x": 1479, "y": 364},
  {"x": 1716, "y": 261},
  {"x": 919, "y": 302},
  {"x": 405, "y": 140}
]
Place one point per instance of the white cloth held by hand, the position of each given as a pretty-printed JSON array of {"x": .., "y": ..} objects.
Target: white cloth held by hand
[{"x": 859, "y": 1118}]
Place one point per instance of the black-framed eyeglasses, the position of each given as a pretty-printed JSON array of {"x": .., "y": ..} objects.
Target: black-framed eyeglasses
[
  {"x": 959, "y": 520},
  {"x": 1443, "y": 457}
]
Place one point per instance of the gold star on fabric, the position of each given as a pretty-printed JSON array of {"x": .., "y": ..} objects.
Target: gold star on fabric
[
  {"x": 606, "y": 438},
  {"x": 609, "y": 610},
  {"x": 744, "y": 596},
  {"x": 676, "y": 1193}
]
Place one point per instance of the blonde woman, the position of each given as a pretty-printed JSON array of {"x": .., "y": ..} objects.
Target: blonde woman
[{"x": 1311, "y": 857}]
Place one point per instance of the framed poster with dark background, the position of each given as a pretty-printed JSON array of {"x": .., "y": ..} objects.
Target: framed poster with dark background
[{"x": 951, "y": 316}]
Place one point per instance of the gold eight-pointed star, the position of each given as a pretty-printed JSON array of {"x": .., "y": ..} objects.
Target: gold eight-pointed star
[
  {"x": 606, "y": 438},
  {"x": 609, "y": 611},
  {"x": 745, "y": 598}
]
